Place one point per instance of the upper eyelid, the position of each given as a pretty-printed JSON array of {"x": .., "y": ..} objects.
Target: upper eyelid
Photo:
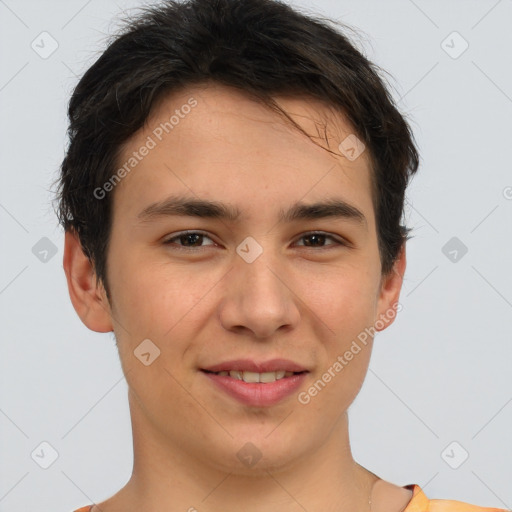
[
  {"x": 187, "y": 232},
  {"x": 336, "y": 238}
]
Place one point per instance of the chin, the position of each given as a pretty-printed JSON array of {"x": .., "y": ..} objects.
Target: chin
[{"x": 257, "y": 451}]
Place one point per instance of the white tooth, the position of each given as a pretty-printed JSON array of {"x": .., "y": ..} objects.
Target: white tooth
[
  {"x": 269, "y": 376},
  {"x": 251, "y": 376}
]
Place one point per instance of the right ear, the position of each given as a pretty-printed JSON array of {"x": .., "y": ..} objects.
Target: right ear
[{"x": 87, "y": 294}]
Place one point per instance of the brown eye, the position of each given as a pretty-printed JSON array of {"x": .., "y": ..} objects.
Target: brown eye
[
  {"x": 318, "y": 240},
  {"x": 190, "y": 239}
]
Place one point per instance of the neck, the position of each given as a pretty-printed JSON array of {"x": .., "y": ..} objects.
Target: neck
[{"x": 166, "y": 477}]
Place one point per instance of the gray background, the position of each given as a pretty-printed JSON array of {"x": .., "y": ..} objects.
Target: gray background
[{"x": 440, "y": 374}]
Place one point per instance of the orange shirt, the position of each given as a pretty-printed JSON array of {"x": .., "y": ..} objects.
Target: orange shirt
[{"x": 418, "y": 503}]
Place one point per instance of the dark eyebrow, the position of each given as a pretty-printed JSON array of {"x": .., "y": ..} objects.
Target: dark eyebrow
[
  {"x": 178, "y": 205},
  {"x": 335, "y": 208}
]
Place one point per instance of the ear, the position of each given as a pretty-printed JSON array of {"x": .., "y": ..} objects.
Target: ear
[
  {"x": 391, "y": 285},
  {"x": 87, "y": 295}
]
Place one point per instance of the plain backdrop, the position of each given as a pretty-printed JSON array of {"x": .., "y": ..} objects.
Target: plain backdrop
[{"x": 436, "y": 408}]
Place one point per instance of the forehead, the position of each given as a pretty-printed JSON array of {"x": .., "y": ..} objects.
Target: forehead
[
  {"x": 221, "y": 109},
  {"x": 213, "y": 141}
]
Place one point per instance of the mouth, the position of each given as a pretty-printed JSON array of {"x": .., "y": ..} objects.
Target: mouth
[
  {"x": 256, "y": 377},
  {"x": 256, "y": 384}
]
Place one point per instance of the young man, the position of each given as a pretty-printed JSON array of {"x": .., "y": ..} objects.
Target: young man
[{"x": 232, "y": 197}]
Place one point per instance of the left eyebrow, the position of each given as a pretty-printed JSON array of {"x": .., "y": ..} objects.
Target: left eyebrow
[
  {"x": 334, "y": 208},
  {"x": 193, "y": 207}
]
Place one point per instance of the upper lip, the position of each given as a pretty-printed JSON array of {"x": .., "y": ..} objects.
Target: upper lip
[{"x": 249, "y": 365}]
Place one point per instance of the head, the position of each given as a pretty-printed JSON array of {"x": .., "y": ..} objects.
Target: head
[{"x": 254, "y": 105}]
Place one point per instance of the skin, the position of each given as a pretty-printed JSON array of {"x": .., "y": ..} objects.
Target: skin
[{"x": 208, "y": 305}]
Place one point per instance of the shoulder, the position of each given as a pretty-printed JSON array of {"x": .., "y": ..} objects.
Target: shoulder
[{"x": 420, "y": 503}]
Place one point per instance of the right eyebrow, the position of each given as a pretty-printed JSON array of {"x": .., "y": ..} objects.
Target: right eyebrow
[{"x": 177, "y": 205}]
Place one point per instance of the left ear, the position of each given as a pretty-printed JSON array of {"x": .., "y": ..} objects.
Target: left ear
[{"x": 391, "y": 286}]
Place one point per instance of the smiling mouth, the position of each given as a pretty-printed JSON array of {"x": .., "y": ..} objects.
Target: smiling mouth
[{"x": 254, "y": 377}]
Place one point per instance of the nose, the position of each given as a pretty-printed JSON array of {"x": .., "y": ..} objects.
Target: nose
[{"x": 259, "y": 299}]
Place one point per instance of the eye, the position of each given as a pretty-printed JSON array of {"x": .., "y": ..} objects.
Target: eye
[
  {"x": 318, "y": 239},
  {"x": 192, "y": 240},
  {"x": 188, "y": 240}
]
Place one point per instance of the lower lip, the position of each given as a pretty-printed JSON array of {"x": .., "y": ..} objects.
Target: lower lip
[{"x": 258, "y": 394}]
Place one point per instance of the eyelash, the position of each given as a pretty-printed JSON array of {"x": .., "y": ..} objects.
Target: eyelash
[{"x": 170, "y": 241}]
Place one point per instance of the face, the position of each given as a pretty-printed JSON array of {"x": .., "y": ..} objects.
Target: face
[{"x": 260, "y": 283}]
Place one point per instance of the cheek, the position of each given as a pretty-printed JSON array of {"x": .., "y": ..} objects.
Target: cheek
[
  {"x": 344, "y": 300},
  {"x": 143, "y": 289},
  {"x": 345, "y": 305},
  {"x": 161, "y": 301}
]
